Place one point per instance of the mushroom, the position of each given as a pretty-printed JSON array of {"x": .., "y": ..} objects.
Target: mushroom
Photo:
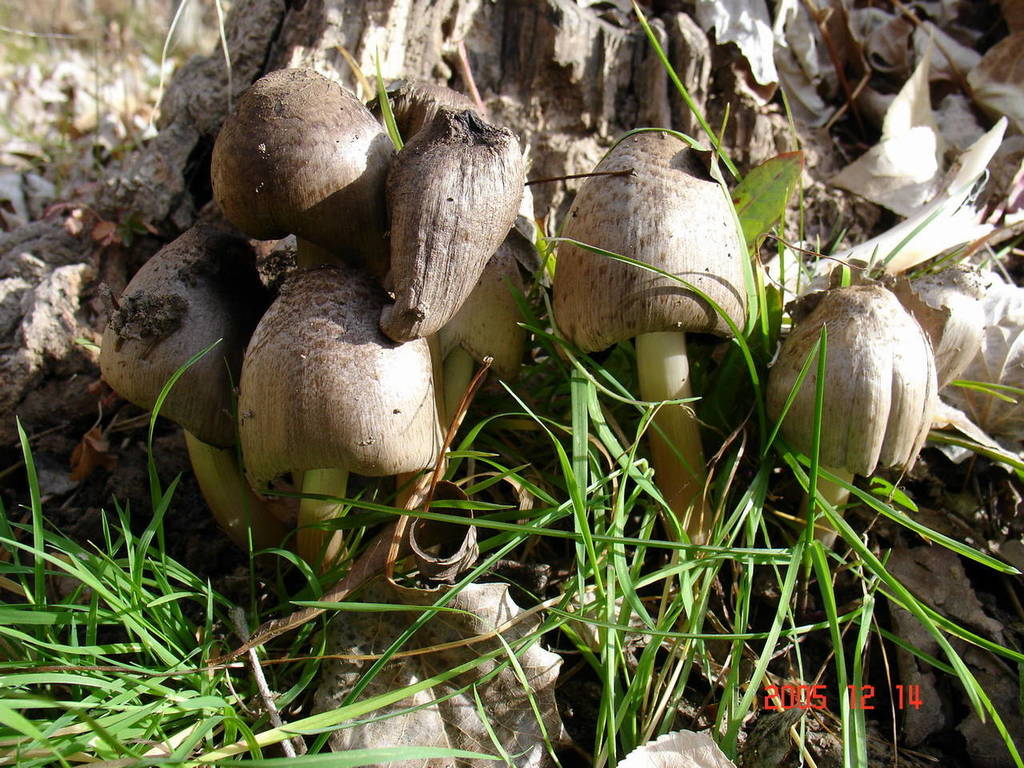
[
  {"x": 323, "y": 393},
  {"x": 301, "y": 155},
  {"x": 879, "y": 389},
  {"x": 656, "y": 203},
  {"x": 487, "y": 325},
  {"x": 197, "y": 290},
  {"x": 453, "y": 192},
  {"x": 416, "y": 104}
]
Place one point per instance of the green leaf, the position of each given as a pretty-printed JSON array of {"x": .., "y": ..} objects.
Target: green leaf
[{"x": 761, "y": 197}]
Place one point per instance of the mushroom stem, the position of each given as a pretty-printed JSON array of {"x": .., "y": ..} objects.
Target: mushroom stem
[
  {"x": 458, "y": 372},
  {"x": 835, "y": 494},
  {"x": 676, "y": 451},
  {"x": 238, "y": 510},
  {"x": 312, "y": 539}
]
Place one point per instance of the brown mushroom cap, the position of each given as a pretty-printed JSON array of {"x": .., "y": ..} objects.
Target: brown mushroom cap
[
  {"x": 667, "y": 211},
  {"x": 201, "y": 287},
  {"x": 416, "y": 104},
  {"x": 321, "y": 386},
  {"x": 880, "y": 387},
  {"x": 300, "y": 154},
  {"x": 453, "y": 193}
]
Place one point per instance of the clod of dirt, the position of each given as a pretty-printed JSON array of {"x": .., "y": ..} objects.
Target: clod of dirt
[{"x": 145, "y": 315}]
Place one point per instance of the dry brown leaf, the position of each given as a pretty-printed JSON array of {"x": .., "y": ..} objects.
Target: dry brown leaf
[
  {"x": 998, "y": 81},
  {"x": 679, "y": 749},
  {"x": 91, "y": 453},
  {"x": 446, "y": 715},
  {"x": 1013, "y": 13},
  {"x": 105, "y": 232}
]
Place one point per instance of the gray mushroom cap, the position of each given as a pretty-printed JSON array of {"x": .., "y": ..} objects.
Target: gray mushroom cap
[
  {"x": 664, "y": 210},
  {"x": 880, "y": 386},
  {"x": 200, "y": 288},
  {"x": 453, "y": 192},
  {"x": 322, "y": 388},
  {"x": 300, "y": 154},
  {"x": 415, "y": 104}
]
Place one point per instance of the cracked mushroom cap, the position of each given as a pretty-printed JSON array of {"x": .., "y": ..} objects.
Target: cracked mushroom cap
[
  {"x": 880, "y": 386},
  {"x": 453, "y": 194},
  {"x": 301, "y": 155},
  {"x": 663, "y": 209},
  {"x": 417, "y": 103},
  {"x": 201, "y": 287},
  {"x": 322, "y": 388}
]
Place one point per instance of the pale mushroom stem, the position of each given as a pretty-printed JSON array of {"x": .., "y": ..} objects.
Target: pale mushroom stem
[
  {"x": 676, "y": 451},
  {"x": 234, "y": 505},
  {"x": 312, "y": 538},
  {"x": 835, "y": 494},
  {"x": 458, "y": 373}
]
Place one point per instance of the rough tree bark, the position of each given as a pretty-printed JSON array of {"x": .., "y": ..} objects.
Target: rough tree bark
[{"x": 569, "y": 76}]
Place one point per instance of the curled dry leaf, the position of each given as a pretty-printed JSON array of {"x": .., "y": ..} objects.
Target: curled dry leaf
[
  {"x": 447, "y": 715},
  {"x": 746, "y": 23},
  {"x": 444, "y": 549},
  {"x": 999, "y": 361},
  {"x": 947, "y": 304},
  {"x": 91, "y": 453},
  {"x": 679, "y": 749}
]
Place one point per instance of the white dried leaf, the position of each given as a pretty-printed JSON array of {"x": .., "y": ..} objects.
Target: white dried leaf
[
  {"x": 446, "y": 715},
  {"x": 902, "y": 170},
  {"x": 1000, "y": 360},
  {"x": 802, "y": 62},
  {"x": 747, "y": 24},
  {"x": 679, "y": 749},
  {"x": 944, "y": 223}
]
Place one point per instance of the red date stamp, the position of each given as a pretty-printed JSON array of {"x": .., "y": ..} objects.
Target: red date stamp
[{"x": 780, "y": 697}]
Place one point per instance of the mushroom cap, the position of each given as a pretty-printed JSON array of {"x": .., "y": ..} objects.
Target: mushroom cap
[
  {"x": 415, "y": 104},
  {"x": 880, "y": 387},
  {"x": 199, "y": 288},
  {"x": 487, "y": 325},
  {"x": 321, "y": 386},
  {"x": 948, "y": 305},
  {"x": 667, "y": 211},
  {"x": 453, "y": 193},
  {"x": 300, "y": 154}
]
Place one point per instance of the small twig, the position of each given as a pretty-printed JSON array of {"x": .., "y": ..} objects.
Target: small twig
[
  {"x": 467, "y": 76},
  {"x": 42, "y": 35},
  {"x": 623, "y": 172},
  {"x": 295, "y": 745}
]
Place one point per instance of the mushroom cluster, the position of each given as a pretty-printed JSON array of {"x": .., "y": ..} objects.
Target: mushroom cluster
[{"x": 336, "y": 376}]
